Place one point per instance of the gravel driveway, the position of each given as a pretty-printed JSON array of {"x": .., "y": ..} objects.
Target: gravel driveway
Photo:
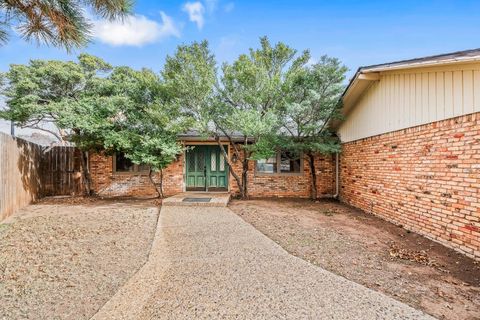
[
  {"x": 64, "y": 261},
  {"x": 208, "y": 263}
]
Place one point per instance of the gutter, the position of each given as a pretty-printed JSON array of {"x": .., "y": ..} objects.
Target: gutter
[{"x": 337, "y": 176}]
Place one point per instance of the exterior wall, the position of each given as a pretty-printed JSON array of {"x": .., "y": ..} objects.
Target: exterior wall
[
  {"x": 299, "y": 185},
  {"x": 407, "y": 98},
  {"x": 107, "y": 183},
  {"x": 426, "y": 178}
]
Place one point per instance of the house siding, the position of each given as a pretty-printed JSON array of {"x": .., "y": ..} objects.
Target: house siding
[
  {"x": 425, "y": 178},
  {"x": 407, "y": 98}
]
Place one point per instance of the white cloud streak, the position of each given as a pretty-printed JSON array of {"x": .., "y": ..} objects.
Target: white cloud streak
[
  {"x": 196, "y": 12},
  {"x": 135, "y": 30}
]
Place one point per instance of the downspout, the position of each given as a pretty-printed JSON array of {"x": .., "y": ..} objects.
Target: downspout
[{"x": 337, "y": 177}]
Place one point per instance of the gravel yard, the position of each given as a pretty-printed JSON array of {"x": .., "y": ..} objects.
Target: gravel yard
[
  {"x": 63, "y": 259},
  {"x": 372, "y": 252}
]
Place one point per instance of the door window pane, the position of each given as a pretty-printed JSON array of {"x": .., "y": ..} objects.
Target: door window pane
[
  {"x": 213, "y": 161},
  {"x": 191, "y": 161},
  {"x": 200, "y": 161},
  {"x": 222, "y": 162},
  {"x": 267, "y": 165}
]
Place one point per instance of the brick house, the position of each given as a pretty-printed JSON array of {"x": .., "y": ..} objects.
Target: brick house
[
  {"x": 410, "y": 153},
  {"x": 202, "y": 167},
  {"x": 411, "y": 146}
]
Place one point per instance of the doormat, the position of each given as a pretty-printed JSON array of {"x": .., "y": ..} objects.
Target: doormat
[{"x": 196, "y": 199}]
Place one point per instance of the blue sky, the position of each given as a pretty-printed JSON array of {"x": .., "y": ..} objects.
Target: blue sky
[{"x": 357, "y": 32}]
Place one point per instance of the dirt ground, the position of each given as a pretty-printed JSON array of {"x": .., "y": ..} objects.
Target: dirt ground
[
  {"x": 64, "y": 258},
  {"x": 372, "y": 252}
]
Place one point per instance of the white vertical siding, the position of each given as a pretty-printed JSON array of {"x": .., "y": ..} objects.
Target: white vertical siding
[{"x": 404, "y": 99}]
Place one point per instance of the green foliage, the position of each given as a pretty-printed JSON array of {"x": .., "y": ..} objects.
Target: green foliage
[
  {"x": 270, "y": 96},
  {"x": 98, "y": 107},
  {"x": 43, "y": 92},
  {"x": 253, "y": 90},
  {"x": 62, "y": 23},
  {"x": 312, "y": 100},
  {"x": 190, "y": 78}
]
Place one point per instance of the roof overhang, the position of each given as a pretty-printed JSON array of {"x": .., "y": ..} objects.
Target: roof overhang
[{"x": 365, "y": 76}]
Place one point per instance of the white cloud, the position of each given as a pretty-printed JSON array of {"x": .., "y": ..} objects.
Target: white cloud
[
  {"x": 196, "y": 12},
  {"x": 229, "y": 7},
  {"x": 135, "y": 30}
]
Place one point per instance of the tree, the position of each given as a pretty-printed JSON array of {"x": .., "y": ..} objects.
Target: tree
[
  {"x": 44, "y": 93},
  {"x": 312, "y": 100},
  {"x": 62, "y": 23},
  {"x": 98, "y": 108},
  {"x": 135, "y": 120},
  {"x": 252, "y": 91},
  {"x": 239, "y": 104}
]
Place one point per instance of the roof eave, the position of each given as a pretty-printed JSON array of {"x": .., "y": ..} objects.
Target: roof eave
[{"x": 361, "y": 80}]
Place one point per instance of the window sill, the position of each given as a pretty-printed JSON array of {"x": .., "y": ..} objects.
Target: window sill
[
  {"x": 282, "y": 174},
  {"x": 120, "y": 174}
]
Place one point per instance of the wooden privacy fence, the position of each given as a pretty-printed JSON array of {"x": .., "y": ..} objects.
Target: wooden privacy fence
[
  {"x": 19, "y": 174},
  {"x": 61, "y": 172},
  {"x": 27, "y": 173}
]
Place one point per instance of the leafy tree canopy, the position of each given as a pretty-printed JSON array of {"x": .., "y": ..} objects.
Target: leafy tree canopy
[
  {"x": 312, "y": 98},
  {"x": 98, "y": 107}
]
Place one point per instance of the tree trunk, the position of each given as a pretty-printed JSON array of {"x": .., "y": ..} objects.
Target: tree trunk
[
  {"x": 245, "y": 174},
  {"x": 313, "y": 174},
  {"x": 230, "y": 166},
  {"x": 158, "y": 190},
  {"x": 86, "y": 173}
]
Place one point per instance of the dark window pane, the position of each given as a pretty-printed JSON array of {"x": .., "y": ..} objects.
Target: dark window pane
[
  {"x": 289, "y": 162},
  {"x": 191, "y": 161},
  {"x": 200, "y": 161},
  {"x": 123, "y": 164},
  {"x": 267, "y": 165}
]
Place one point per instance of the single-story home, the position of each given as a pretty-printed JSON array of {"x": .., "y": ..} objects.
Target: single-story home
[{"x": 410, "y": 153}]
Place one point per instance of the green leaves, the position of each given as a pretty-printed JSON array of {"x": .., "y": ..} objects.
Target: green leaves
[
  {"x": 98, "y": 107},
  {"x": 189, "y": 79},
  {"x": 270, "y": 96},
  {"x": 62, "y": 23},
  {"x": 312, "y": 100}
]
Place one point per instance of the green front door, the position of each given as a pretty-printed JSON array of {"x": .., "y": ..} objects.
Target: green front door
[{"x": 206, "y": 169}]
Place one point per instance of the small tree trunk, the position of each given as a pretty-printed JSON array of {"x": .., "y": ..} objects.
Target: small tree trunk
[
  {"x": 245, "y": 174},
  {"x": 86, "y": 173},
  {"x": 313, "y": 174},
  {"x": 230, "y": 166},
  {"x": 158, "y": 190}
]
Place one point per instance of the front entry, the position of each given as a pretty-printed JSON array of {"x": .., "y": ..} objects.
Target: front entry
[{"x": 206, "y": 169}]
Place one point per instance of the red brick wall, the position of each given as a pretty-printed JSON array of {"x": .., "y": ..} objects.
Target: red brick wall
[
  {"x": 289, "y": 185},
  {"x": 107, "y": 183},
  {"x": 426, "y": 178}
]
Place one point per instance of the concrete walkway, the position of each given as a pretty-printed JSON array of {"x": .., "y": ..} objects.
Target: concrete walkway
[{"x": 207, "y": 263}]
